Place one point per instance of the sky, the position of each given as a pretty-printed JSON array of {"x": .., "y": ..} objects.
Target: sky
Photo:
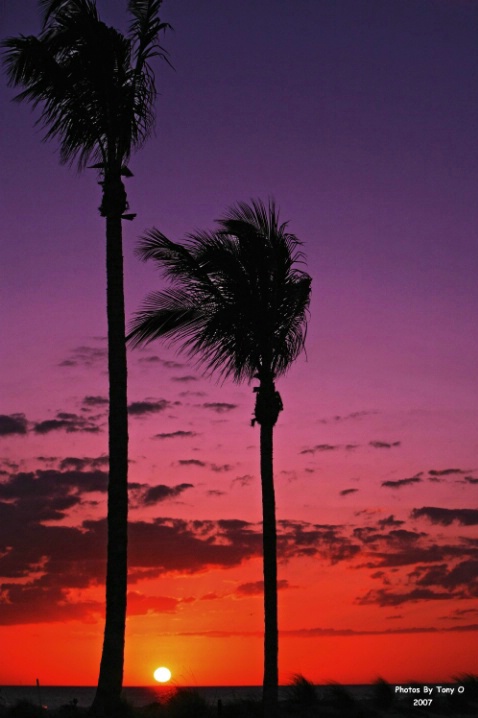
[{"x": 360, "y": 119}]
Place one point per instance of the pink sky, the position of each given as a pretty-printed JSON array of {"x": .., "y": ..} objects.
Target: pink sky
[{"x": 360, "y": 119}]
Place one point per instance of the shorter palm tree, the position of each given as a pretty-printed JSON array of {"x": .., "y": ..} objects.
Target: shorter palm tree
[{"x": 238, "y": 305}]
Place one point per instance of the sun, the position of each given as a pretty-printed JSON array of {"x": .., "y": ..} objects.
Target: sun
[{"x": 162, "y": 674}]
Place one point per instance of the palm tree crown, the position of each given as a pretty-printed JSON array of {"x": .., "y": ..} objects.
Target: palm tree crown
[
  {"x": 94, "y": 85},
  {"x": 239, "y": 302}
]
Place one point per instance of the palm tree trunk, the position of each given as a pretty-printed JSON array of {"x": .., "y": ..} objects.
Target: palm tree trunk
[
  {"x": 110, "y": 680},
  {"x": 269, "y": 539}
]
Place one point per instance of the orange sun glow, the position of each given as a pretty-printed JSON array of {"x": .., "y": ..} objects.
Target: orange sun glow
[{"x": 162, "y": 674}]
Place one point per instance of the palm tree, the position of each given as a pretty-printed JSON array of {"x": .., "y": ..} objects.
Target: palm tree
[
  {"x": 238, "y": 305},
  {"x": 96, "y": 91}
]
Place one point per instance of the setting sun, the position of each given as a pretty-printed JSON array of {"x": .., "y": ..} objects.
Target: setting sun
[{"x": 162, "y": 674}]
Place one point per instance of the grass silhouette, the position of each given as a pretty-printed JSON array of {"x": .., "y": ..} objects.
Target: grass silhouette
[{"x": 302, "y": 699}]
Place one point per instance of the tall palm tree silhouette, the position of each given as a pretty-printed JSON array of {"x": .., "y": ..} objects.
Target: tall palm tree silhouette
[
  {"x": 96, "y": 91},
  {"x": 238, "y": 305}
]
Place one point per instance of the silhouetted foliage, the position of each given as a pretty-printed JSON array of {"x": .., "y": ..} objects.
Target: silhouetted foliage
[
  {"x": 467, "y": 702},
  {"x": 383, "y": 694},
  {"x": 25, "y": 709},
  {"x": 187, "y": 702},
  {"x": 301, "y": 691}
]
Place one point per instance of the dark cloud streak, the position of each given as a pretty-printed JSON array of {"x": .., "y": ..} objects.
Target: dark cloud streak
[
  {"x": 445, "y": 517},
  {"x": 13, "y": 424}
]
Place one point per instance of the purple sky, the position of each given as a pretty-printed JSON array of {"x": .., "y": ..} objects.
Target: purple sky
[{"x": 360, "y": 119}]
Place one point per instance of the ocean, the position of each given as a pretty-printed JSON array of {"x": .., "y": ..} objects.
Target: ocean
[{"x": 55, "y": 696}]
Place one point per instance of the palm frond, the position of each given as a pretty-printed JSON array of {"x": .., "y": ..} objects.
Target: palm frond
[
  {"x": 61, "y": 10},
  {"x": 178, "y": 262},
  {"x": 29, "y": 63},
  {"x": 145, "y": 28},
  {"x": 164, "y": 314}
]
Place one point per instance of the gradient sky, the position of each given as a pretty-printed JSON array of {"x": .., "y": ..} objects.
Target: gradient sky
[{"x": 360, "y": 119}]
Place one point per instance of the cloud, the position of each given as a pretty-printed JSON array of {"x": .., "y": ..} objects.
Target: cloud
[
  {"x": 219, "y": 407},
  {"x": 445, "y": 472},
  {"x": 51, "y": 605},
  {"x": 86, "y": 356},
  {"x": 396, "y": 539},
  {"x": 176, "y": 435},
  {"x": 319, "y": 447},
  {"x": 184, "y": 379},
  {"x": 401, "y": 482},
  {"x": 403, "y": 537},
  {"x": 74, "y": 557},
  {"x": 244, "y": 480},
  {"x": 167, "y": 363},
  {"x": 32, "y": 511},
  {"x": 192, "y": 546},
  {"x": 147, "y": 407},
  {"x": 395, "y": 555},
  {"x": 299, "y": 538},
  {"x": 90, "y": 401},
  {"x": 13, "y": 424},
  {"x": 68, "y": 556},
  {"x": 219, "y": 468},
  {"x": 433, "y": 564},
  {"x": 196, "y": 544},
  {"x": 80, "y": 464},
  {"x": 382, "y": 597},
  {"x": 156, "y": 494},
  {"x": 191, "y": 462},
  {"x": 389, "y": 521},
  {"x": 461, "y": 613},
  {"x": 445, "y": 517},
  {"x": 368, "y": 534},
  {"x": 7, "y": 466},
  {"x": 50, "y": 483},
  {"x": 313, "y": 632},
  {"x": 332, "y": 632},
  {"x": 347, "y": 417},
  {"x": 346, "y": 492},
  {"x": 140, "y": 604},
  {"x": 44, "y": 427},
  {"x": 71, "y": 423},
  {"x": 464, "y": 573},
  {"x": 329, "y": 447},
  {"x": 149, "y": 360},
  {"x": 383, "y": 444},
  {"x": 256, "y": 588},
  {"x": 289, "y": 474},
  {"x": 27, "y": 500}
]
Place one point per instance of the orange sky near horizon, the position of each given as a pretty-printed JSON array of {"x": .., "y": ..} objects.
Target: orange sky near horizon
[{"x": 68, "y": 653}]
